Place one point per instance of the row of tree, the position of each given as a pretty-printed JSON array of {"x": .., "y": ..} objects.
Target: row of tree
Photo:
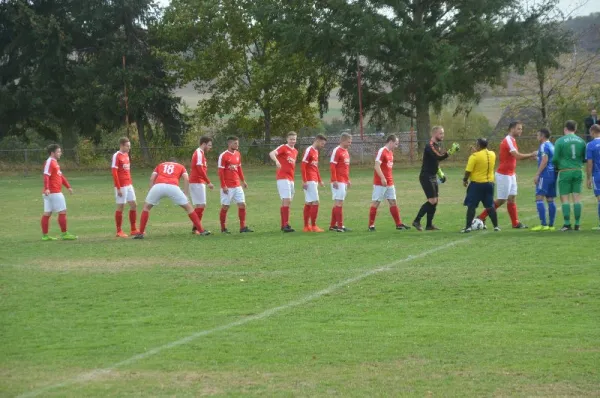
[{"x": 264, "y": 66}]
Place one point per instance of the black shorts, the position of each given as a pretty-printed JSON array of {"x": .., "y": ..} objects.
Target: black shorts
[
  {"x": 430, "y": 185},
  {"x": 480, "y": 192}
]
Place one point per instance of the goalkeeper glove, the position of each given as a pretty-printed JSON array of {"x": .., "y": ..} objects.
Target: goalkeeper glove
[
  {"x": 454, "y": 148},
  {"x": 441, "y": 176}
]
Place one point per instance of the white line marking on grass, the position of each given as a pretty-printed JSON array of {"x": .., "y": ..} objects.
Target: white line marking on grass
[{"x": 89, "y": 376}]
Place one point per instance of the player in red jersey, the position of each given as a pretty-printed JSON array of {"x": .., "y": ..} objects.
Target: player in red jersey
[
  {"x": 339, "y": 167},
  {"x": 506, "y": 179},
  {"x": 310, "y": 178},
  {"x": 383, "y": 183},
  {"x": 54, "y": 200},
  {"x": 164, "y": 182},
  {"x": 285, "y": 157},
  {"x": 199, "y": 180},
  {"x": 124, "y": 192},
  {"x": 232, "y": 180}
]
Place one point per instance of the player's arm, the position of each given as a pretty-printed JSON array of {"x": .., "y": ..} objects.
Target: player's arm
[
  {"x": 115, "y": 173},
  {"x": 65, "y": 182},
  {"x": 469, "y": 170},
  {"x": 273, "y": 155},
  {"x": 439, "y": 155},
  {"x": 516, "y": 154},
  {"x": 557, "y": 155},
  {"x": 242, "y": 178},
  {"x": 588, "y": 171},
  {"x": 543, "y": 164},
  {"x": 304, "y": 173},
  {"x": 153, "y": 178},
  {"x": 186, "y": 184},
  {"x": 380, "y": 173}
]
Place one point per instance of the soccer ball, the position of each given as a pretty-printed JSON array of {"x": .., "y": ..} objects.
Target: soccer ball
[{"x": 477, "y": 224}]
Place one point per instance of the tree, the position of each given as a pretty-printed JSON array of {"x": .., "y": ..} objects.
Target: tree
[
  {"x": 414, "y": 54},
  {"x": 229, "y": 50}
]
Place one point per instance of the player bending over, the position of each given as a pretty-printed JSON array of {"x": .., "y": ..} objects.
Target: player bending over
[
  {"x": 569, "y": 157},
  {"x": 164, "y": 182},
  {"x": 545, "y": 182},
  {"x": 383, "y": 183},
  {"x": 124, "y": 192},
  {"x": 593, "y": 166},
  {"x": 199, "y": 180},
  {"x": 284, "y": 157},
  {"x": 54, "y": 200},
  {"x": 311, "y": 178},
  {"x": 339, "y": 166},
  {"x": 480, "y": 171},
  {"x": 232, "y": 181}
]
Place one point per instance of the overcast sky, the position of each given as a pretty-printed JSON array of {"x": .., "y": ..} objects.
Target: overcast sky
[{"x": 567, "y": 6}]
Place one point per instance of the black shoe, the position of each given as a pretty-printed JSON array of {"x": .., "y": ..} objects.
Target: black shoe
[
  {"x": 205, "y": 233},
  {"x": 344, "y": 229},
  {"x": 287, "y": 228},
  {"x": 417, "y": 226},
  {"x": 465, "y": 230},
  {"x": 432, "y": 228},
  {"x": 245, "y": 229},
  {"x": 520, "y": 226},
  {"x": 194, "y": 229},
  {"x": 138, "y": 236},
  {"x": 372, "y": 228},
  {"x": 566, "y": 228},
  {"x": 225, "y": 231},
  {"x": 402, "y": 227},
  {"x": 333, "y": 229},
  {"x": 576, "y": 227}
]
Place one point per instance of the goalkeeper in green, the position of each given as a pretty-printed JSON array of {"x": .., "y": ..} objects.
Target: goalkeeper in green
[{"x": 569, "y": 157}]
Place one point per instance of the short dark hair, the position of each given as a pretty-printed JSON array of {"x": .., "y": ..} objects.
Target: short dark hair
[
  {"x": 123, "y": 140},
  {"x": 595, "y": 128},
  {"x": 205, "y": 140},
  {"x": 514, "y": 124},
  {"x": 482, "y": 143},
  {"x": 545, "y": 132},
  {"x": 321, "y": 137},
  {"x": 52, "y": 148},
  {"x": 232, "y": 138},
  {"x": 390, "y": 138},
  {"x": 571, "y": 125}
]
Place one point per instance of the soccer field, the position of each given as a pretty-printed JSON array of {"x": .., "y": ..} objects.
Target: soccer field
[{"x": 357, "y": 314}]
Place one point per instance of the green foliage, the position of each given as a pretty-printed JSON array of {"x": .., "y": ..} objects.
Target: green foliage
[{"x": 462, "y": 126}]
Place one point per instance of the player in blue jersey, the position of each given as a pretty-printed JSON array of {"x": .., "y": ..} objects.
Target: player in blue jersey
[
  {"x": 545, "y": 182},
  {"x": 593, "y": 166}
]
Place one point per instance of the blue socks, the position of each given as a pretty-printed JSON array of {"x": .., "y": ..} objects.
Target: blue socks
[
  {"x": 541, "y": 211},
  {"x": 552, "y": 212},
  {"x": 599, "y": 212}
]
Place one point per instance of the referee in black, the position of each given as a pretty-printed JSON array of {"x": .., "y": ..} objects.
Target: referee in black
[
  {"x": 480, "y": 189},
  {"x": 428, "y": 177}
]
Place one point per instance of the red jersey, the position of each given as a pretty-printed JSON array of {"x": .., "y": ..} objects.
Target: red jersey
[
  {"x": 286, "y": 155},
  {"x": 386, "y": 158},
  {"x": 121, "y": 169},
  {"x": 340, "y": 165},
  {"x": 169, "y": 173},
  {"x": 508, "y": 163},
  {"x": 53, "y": 177},
  {"x": 198, "y": 168},
  {"x": 230, "y": 169},
  {"x": 310, "y": 165}
]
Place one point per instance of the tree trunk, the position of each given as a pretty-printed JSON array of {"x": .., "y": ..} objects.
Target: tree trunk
[
  {"x": 541, "y": 77},
  {"x": 423, "y": 120},
  {"x": 69, "y": 140},
  {"x": 267, "y": 148},
  {"x": 139, "y": 122}
]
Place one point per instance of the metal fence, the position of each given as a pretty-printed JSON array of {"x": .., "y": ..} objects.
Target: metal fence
[{"x": 409, "y": 152}]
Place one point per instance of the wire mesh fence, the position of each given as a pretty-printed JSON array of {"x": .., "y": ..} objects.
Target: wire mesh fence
[{"x": 362, "y": 151}]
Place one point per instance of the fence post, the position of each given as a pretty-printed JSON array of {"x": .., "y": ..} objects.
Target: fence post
[{"x": 26, "y": 158}]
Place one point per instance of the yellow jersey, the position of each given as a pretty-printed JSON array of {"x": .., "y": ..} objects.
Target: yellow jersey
[{"x": 481, "y": 166}]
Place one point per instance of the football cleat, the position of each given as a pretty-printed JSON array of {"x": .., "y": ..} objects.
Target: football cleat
[
  {"x": 286, "y": 229},
  {"x": 566, "y": 228},
  {"x": 225, "y": 231},
  {"x": 497, "y": 229},
  {"x": 539, "y": 228},
  {"x": 317, "y": 229},
  {"x": 344, "y": 229},
  {"x": 333, "y": 229},
  {"x": 68, "y": 236},
  {"x": 576, "y": 228},
  {"x": 202, "y": 233},
  {"x": 245, "y": 230},
  {"x": 121, "y": 234},
  {"x": 194, "y": 229},
  {"x": 596, "y": 228},
  {"x": 432, "y": 228},
  {"x": 417, "y": 226},
  {"x": 520, "y": 226},
  {"x": 402, "y": 227},
  {"x": 47, "y": 238},
  {"x": 465, "y": 230},
  {"x": 372, "y": 228},
  {"x": 138, "y": 236},
  {"x": 307, "y": 229},
  {"x": 551, "y": 229},
  {"x": 134, "y": 232}
]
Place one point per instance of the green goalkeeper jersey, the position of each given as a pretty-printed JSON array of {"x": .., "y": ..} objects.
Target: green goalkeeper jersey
[{"x": 569, "y": 152}]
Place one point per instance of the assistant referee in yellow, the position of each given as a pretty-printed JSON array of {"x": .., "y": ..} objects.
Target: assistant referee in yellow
[{"x": 480, "y": 173}]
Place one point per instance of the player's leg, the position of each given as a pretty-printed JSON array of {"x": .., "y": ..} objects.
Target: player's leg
[
  {"x": 132, "y": 202},
  {"x": 376, "y": 198},
  {"x": 488, "y": 203},
  {"x": 565, "y": 188},
  {"x": 307, "y": 207},
  {"x": 225, "y": 203},
  {"x": 431, "y": 213},
  {"x": 337, "y": 221},
  {"x": 60, "y": 206},
  {"x": 471, "y": 202},
  {"x": 502, "y": 188},
  {"x": 198, "y": 196},
  {"x": 285, "y": 189},
  {"x": 577, "y": 184},
  {"x": 390, "y": 195},
  {"x": 333, "y": 222},
  {"x": 120, "y": 202},
  {"x": 240, "y": 198},
  {"x": 45, "y": 222},
  {"x": 144, "y": 219},
  {"x": 430, "y": 194},
  {"x": 596, "y": 188},
  {"x": 540, "y": 194},
  {"x": 193, "y": 216},
  {"x": 511, "y": 205},
  {"x": 311, "y": 197}
]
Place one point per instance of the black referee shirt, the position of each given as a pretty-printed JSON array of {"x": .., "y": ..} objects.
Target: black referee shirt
[{"x": 431, "y": 158}]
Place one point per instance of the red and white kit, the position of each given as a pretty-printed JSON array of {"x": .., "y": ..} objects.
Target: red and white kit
[
  {"x": 198, "y": 178},
  {"x": 231, "y": 176},
  {"x": 53, "y": 181},
  {"x": 506, "y": 178},
  {"x": 166, "y": 184},
  {"x": 340, "y": 172},
  {"x": 385, "y": 158},
  {"x": 121, "y": 171},
  {"x": 286, "y": 155},
  {"x": 310, "y": 174}
]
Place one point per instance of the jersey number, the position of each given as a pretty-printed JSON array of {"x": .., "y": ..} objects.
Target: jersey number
[
  {"x": 168, "y": 168},
  {"x": 573, "y": 154}
]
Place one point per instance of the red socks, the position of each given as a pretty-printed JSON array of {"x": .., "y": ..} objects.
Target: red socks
[
  {"x": 195, "y": 220},
  {"x": 242, "y": 216},
  {"x": 395, "y": 211},
  {"x": 118, "y": 220},
  {"x": 144, "y": 221},
  {"x": 132, "y": 219},
  {"x": 223, "y": 218},
  {"x": 484, "y": 213},
  {"x": 338, "y": 217},
  {"x": 307, "y": 214},
  {"x": 372, "y": 215},
  {"x": 199, "y": 211},
  {"x": 62, "y": 221},
  {"x": 512, "y": 212},
  {"x": 314, "y": 212},
  {"x": 333, "y": 222},
  {"x": 45, "y": 224},
  {"x": 285, "y": 215}
]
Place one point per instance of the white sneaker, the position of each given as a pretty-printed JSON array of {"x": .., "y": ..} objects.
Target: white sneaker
[
  {"x": 497, "y": 229},
  {"x": 465, "y": 230}
]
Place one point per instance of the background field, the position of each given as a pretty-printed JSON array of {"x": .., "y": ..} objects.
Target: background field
[{"x": 357, "y": 314}]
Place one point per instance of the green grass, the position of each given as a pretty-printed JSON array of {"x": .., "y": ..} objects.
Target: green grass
[{"x": 510, "y": 313}]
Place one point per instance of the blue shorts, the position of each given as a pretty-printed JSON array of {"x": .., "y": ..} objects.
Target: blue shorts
[
  {"x": 596, "y": 184},
  {"x": 480, "y": 192},
  {"x": 546, "y": 186}
]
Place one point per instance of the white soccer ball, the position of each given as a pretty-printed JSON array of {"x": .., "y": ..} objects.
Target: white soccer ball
[{"x": 477, "y": 224}]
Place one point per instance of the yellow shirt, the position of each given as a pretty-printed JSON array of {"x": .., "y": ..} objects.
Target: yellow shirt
[{"x": 481, "y": 166}]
